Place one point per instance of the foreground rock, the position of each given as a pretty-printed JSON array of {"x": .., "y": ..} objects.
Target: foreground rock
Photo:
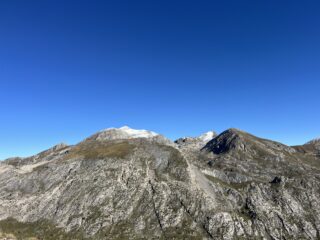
[{"x": 135, "y": 184}]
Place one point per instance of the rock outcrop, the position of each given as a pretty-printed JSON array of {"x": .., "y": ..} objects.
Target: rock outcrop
[{"x": 136, "y": 184}]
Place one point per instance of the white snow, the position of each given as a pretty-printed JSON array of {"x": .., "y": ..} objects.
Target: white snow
[
  {"x": 127, "y": 132},
  {"x": 206, "y": 137},
  {"x": 134, "y": 133}
]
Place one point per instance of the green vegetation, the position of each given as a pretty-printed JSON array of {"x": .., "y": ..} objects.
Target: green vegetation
[
  {"x": 185, "y": 231},
  {"x": 35, "y": 231},
  {"x": 236, "y": 186},
  {"x": 98, "y": 150}
]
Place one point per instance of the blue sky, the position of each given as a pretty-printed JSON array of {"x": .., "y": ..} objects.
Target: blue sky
[{"x": 71, "y": 68}]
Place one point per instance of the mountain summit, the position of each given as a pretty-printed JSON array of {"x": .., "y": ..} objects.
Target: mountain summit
[
  {"x": 124, "y": 132},
  {"x": 195, "y": 142},
  {"x": 315, "y": 141},
  {"x": 238, "y": 140},
  {"x": 123, "y": 183}
]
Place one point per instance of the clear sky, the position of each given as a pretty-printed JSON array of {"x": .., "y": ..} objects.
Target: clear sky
[{"x": 71, "y": 68}]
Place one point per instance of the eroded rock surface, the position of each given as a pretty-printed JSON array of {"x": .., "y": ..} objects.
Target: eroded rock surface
[{"x": 124, "y": 184}]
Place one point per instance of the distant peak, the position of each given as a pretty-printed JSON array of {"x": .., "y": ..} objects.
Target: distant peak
[
  {"x": 135, "y": 133},
  {"x": 196, "y": 142},
  {"x": 126, "y": 128},
  {"x": 314, "y": 141},
  {"x": 124, "y": 132},
  {"x": 234, "y": 130},
  {"x": 206, "y": 137},
  {"x": 241, "y": 141},
  {"x": 60, "y": 146},
  {"x": 225, "y": 141}
]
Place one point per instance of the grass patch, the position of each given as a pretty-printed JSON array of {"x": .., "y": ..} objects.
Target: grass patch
[
  {"x": 98, "y": 150},
  {"x": 35, "y": 230}
]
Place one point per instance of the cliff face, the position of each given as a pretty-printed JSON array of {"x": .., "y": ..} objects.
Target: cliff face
[{"x": 123, "y": 184}]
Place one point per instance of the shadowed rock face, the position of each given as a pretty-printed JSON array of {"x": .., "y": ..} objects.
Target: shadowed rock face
[
  {"x": 236, "y": 140},
  {"x": 115, "y": 186}
]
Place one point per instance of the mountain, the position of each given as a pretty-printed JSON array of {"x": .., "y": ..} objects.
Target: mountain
[
  {"x": 315, "y": 141},
  {"x": 312, "y": 147},
  {"x": 128, "y": 133},
  {"x": 195, "y": 142},
  {"x": 122, "y": 133},
  {"x": 136, "y": 184}
]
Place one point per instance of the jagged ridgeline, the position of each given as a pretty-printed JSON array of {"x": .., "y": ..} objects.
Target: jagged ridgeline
[{"x": 136, "y": 184}]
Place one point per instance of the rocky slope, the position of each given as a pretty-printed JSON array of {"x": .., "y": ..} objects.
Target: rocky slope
[{"x": 136, "y": 184}]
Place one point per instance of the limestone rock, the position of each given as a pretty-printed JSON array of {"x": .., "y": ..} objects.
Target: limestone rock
[{"x": 136, "y": 184}]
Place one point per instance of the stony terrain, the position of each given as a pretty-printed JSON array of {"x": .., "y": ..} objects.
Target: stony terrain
[{"x": 136, "y": 184}]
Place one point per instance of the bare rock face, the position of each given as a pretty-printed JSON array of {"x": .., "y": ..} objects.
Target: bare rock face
[
  {"x": 129, "y": 133},
  {"x": 136, "y": 184},
  {"x": 193, "y": 143},
  {"x": 122, "y": 133},
  {"x": 312, "y": 148},
  {"x": 315, "y": 141}
]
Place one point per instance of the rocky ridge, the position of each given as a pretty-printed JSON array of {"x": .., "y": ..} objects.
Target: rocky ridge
[{"x": 137, "y": 184}]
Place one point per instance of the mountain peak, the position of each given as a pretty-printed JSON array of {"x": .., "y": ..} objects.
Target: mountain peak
[
  {"x": 206, "y": 137},
  {"x": 234, "y": 131},
  {"x": 59, "y": 146},
  {"x": 131, "y": 183},
  {"x": 195, "y": 142},
  {"x": 314, "y": 141},
  {"x": 241, "y": 141},
  {"x": 133, "y": 133},
  {"x": 225, "y": 141},
  {"x": 124, "y": 132}
]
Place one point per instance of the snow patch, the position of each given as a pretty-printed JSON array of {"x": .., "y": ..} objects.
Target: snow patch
[
  {"x": 127, "y": 132},
  {"x": 206, "y": 137},
  {"x": 138, "y": 133}
]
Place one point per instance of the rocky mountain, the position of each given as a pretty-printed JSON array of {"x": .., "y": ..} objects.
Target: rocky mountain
[
  {"x": 137, "y": 184},
  {"x": 195, "y": 142},
  {"x": 312, "y": 147},
  {"x": 127, "y": 133}
]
